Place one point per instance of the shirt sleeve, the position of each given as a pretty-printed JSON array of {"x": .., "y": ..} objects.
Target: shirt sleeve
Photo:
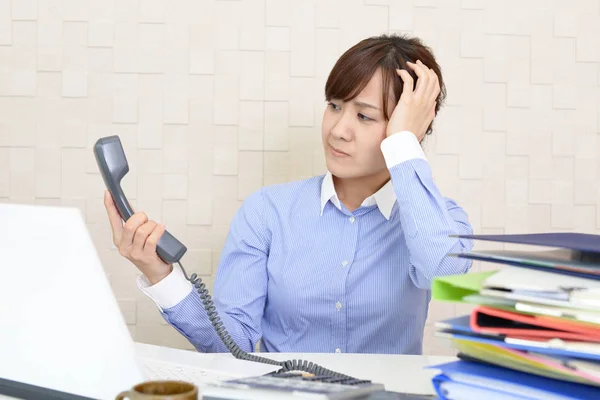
[
  {"x": 169, "y": 291},
  {"x": 427, "y": 218},
  {"x": 239, "y": 302},
  {"x": 400, "y": 147}
]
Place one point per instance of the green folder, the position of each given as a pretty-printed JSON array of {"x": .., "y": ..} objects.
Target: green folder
[{"x": 456, "y": 287}]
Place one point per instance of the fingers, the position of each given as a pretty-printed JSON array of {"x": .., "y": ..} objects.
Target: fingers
[
  {"x": 116, "y": 223},
  {"x": 152, "y": 240},
  {"x": 430, "y": 77},
  {"x": 407, "y": 90},
  {"x": 422, "y": 76},
  {"x": 427, "y": 83},
  {"x": 139, "y": 239},
  {"x": 130, "y": 228},
  {"x": 435, "y": 85}
]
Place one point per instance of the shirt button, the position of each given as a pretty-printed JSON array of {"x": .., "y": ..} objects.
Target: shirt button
[
  {"x": 338, "y": 305},
  {"x": 352, "y": 219},
  {"x": 344, "y": 263},
  {"x": 338, "y": 350}
]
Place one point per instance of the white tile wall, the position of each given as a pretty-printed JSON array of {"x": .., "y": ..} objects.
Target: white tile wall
[{"x": 214, "y": 99}]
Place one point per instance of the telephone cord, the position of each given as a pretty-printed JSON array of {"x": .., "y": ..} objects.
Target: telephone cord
[{"x": 213, "y": 316}]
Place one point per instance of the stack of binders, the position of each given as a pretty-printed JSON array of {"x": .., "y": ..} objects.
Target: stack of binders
[{"x": 534, "y": 331}]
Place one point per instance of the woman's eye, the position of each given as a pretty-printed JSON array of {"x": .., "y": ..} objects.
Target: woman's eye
[
  {"x": 334, "y": 106},
  {"x": 364, "y": 117}
]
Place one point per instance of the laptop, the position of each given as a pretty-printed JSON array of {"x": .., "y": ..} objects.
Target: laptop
[{"x": 62, "y": 334}]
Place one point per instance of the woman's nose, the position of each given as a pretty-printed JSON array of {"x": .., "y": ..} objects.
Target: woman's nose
[{"x": 342, "y": 129}]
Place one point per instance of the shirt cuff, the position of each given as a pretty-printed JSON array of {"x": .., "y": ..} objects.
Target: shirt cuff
[
  {"x": 169, "y": 291},
  {"x": 400, "y": 147}
]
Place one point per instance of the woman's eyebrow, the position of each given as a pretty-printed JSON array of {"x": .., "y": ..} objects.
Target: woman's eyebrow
[{"x": 366, "y": 105}]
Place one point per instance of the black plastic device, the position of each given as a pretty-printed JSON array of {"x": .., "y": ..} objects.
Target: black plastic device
[{"x": 113, "y": 165}]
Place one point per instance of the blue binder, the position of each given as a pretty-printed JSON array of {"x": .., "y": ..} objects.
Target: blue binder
[
  {"x": 456, "y": 324},
  {"x": 479, "y": 381},
  {"x": 562, "y": 271},
  {"x": 581, "y": 242}
]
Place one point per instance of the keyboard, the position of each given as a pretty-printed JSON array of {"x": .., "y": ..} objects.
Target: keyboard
[{"x": 162, "y": 370}]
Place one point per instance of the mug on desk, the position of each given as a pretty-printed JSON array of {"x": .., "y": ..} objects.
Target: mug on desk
[{"x": 161, "y": 390}]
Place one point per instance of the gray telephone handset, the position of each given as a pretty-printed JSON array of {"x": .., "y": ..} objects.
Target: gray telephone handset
[{"x": 113, "y": 166}]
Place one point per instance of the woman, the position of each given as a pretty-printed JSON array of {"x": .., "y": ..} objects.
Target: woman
[{"x": 336, "y": 263}]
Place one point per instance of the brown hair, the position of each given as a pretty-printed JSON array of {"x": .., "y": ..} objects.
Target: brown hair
[{"x": 355, "y": 68}]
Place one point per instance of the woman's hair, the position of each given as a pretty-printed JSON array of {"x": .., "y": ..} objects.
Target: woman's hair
[{"x": 355, "y": 68}]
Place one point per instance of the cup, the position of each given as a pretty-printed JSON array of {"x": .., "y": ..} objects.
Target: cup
[{"x": 161, "y": 390}]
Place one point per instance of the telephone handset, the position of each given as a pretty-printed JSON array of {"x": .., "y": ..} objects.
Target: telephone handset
[{"x": 113, "y": 166}]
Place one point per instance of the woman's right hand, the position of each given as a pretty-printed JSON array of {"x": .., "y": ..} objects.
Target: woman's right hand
[{"x": 136, "y": 241}]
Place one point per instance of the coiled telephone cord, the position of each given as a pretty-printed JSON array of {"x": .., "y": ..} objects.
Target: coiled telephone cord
[{"x": 213, "y": 316}]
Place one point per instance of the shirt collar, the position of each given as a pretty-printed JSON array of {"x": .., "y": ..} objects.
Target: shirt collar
[{"x": 384, "y": 198}]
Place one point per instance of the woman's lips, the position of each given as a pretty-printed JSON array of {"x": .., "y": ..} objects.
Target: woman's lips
[{"x": 338, "y": 153}]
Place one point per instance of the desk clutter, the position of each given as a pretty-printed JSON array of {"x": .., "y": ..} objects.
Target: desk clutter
[{"x": 534, "y": 331}]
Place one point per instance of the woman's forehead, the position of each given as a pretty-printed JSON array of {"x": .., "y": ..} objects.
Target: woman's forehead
[{"x": 372, "y": 92}]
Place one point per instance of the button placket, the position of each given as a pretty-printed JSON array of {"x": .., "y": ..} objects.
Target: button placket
[
  {"x": 348, "y": 249},
  {"x": 345, "y": 263}
]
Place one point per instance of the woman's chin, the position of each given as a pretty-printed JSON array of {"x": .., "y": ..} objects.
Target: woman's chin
[{"x": 339, "y": 170}]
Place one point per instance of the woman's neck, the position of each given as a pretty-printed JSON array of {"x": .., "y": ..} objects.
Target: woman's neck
[{"x": 353, "y": 191}]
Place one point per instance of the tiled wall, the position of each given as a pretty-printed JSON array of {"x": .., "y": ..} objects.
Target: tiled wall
[{"x": 213, "y": 99}]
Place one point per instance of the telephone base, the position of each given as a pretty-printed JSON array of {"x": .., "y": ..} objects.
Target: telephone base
[{"x": 290, "y": 386}]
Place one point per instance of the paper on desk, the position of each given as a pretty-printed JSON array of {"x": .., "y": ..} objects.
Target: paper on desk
[
  {"x": 513, "y": 278},
  {"x": 591, "y": 316},
  {"x": 544, "y": 288}
]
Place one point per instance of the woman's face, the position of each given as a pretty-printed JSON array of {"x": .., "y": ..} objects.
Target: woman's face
[{"x": 352, "y": 133}]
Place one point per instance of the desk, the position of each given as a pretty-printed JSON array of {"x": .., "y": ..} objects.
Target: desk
[{"x": 399, "y": 373}]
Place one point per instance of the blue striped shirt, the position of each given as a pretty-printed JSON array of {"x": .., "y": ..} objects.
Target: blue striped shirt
[{"x": 303, "y": 274}]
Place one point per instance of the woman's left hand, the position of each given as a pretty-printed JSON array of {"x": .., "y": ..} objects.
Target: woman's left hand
[{"x": 415, "y": 109}]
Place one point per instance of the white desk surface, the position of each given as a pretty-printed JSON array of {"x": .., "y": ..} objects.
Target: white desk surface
[{"x": 399, "y": 373}]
